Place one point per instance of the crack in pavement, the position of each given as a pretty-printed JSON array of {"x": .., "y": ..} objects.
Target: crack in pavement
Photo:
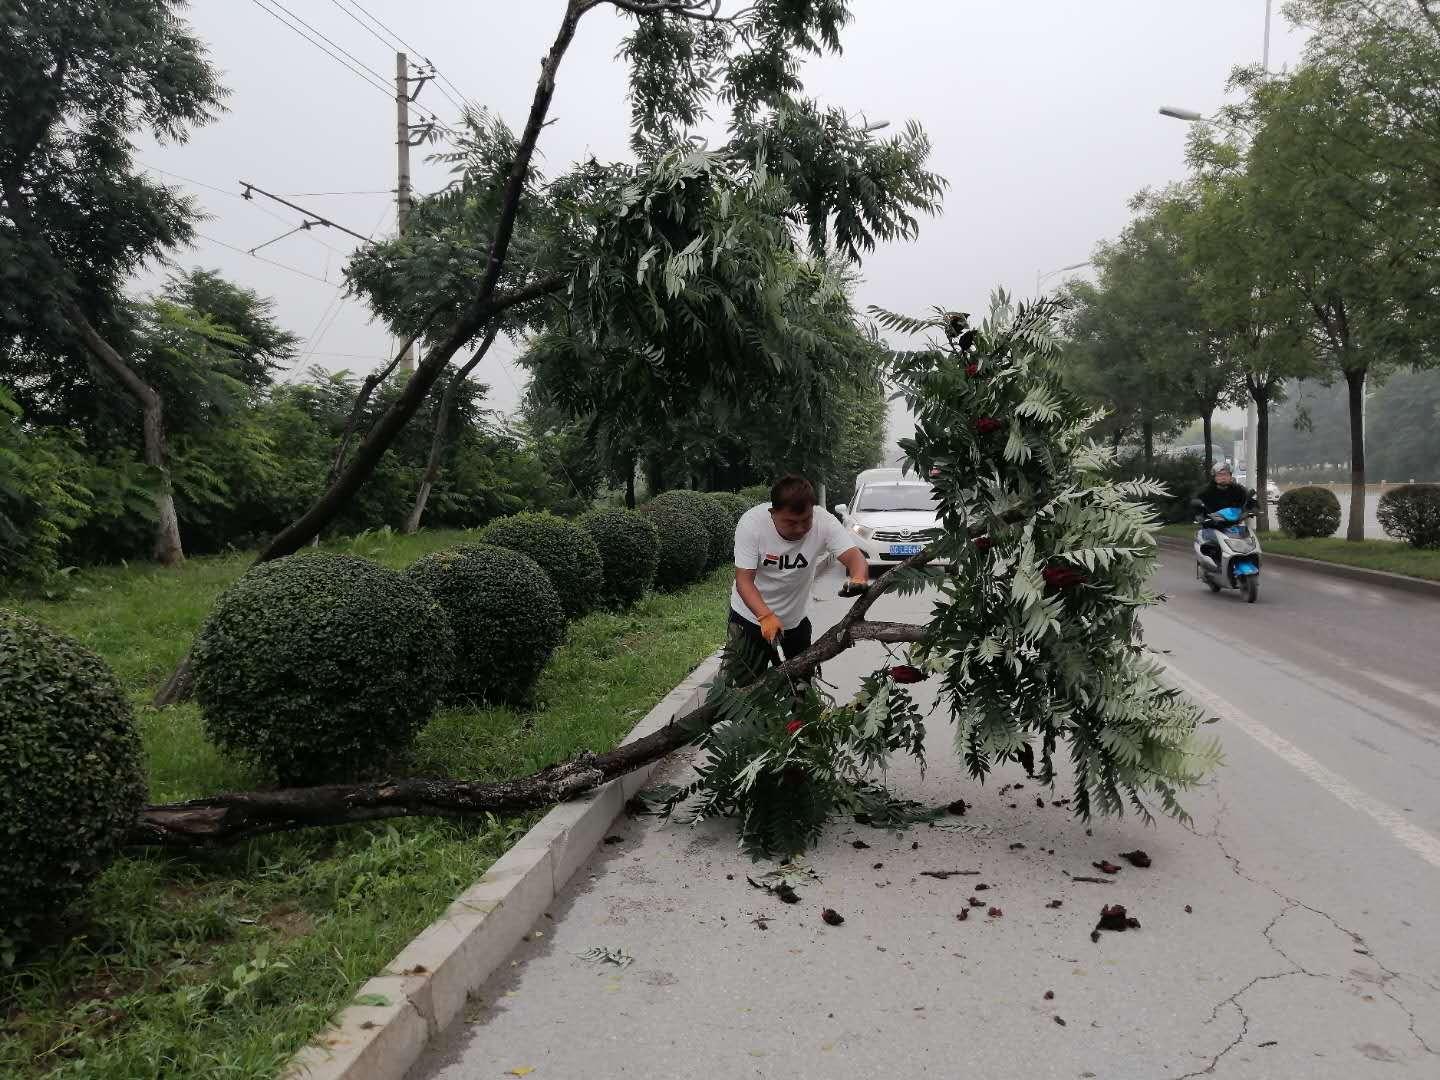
[{"x": 1296, "y": 968}]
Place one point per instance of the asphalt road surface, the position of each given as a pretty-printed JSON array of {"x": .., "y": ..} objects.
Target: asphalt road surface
[{"x": 1290, "y": 929}]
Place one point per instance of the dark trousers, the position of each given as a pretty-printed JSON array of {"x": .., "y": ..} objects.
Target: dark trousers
[{"x": 748, "y": 656}]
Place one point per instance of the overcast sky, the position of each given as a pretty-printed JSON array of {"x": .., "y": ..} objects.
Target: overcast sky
[{"x": 1042, "y": 114}]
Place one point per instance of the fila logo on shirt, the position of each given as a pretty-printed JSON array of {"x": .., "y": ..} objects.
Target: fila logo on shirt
[{"x": 785, "y": 562}]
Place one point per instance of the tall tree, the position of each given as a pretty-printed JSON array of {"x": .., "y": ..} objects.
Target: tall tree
[
  {"x": 1343, "y": 213},
  {"x": 77, "y": 78}
]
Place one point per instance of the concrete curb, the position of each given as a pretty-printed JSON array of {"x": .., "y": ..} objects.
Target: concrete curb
[
  {"x": 425, "y": 987},
  {"x": 1401, "y": 582}
]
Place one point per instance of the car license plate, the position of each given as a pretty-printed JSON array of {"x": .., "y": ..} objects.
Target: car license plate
[{"x": 906, "y": 549}]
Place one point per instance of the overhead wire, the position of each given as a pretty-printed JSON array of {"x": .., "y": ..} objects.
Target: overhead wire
[
  {"x": 272, "y": 262},
  {"x": 378, "y": 79}
]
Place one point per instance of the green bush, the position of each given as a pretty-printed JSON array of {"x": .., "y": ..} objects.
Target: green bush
[
  {"x": 321, "y": 666},
  {"x": 736, "y": 504},
  {"x": 564, "y": 551},
  {"x": 713, "y": 515},
  {"x": 1182, "y": 474},
  {"x": 684, "y": 546},
  {"x": 1309, "y": 512},
  {"x": 1412, "y": 513},
  {"x": 505, "y": 614},
  {"x": 71, "y": 782},
  {"x": 629, "y": 552},
  {"x": 756, "y": 494}
]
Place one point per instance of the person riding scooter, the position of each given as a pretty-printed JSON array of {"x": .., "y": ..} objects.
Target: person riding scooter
[
  {"x": 1222, "y": 491},
  {"x": 1231, "y": 560}
]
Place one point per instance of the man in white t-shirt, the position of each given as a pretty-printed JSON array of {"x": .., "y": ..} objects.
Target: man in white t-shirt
[{"x": 777, "y": 549}]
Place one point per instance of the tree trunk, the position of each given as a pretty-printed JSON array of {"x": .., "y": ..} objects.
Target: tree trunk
[
  {"x": 168, "y": 550},
  {"x": 226, "y": 819},
  {"x": 630, "y": 486},
  {"x": 1355, "y": 384},
  {"x": 1115, "y": 439},
  {"x": 1147, "y": 438},
  {"x": 1208, "y": 421},
  {"x": 1262, "y": 460},
  {"x": 486, "y": 305},
  {"x": 442, "y": 422}
]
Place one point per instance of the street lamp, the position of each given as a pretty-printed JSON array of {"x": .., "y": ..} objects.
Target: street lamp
[
  {"x": 1039, "y": 277},
  {"x": 1190, "y": 116}
]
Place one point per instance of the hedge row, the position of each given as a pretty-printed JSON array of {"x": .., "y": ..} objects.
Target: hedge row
[{"x": 320, "y": 667}]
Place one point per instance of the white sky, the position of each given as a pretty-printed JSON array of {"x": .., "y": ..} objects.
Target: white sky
[{"x": 1043, "y": 116}]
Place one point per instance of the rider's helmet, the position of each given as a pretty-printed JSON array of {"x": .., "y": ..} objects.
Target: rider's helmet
[{"x": 1222, "y": 466}]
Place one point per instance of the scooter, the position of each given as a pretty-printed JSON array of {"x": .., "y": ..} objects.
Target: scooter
[{"x": 1227, "y": 551}]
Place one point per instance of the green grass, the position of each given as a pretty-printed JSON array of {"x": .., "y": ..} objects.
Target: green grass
[
  {"x": 224, "y": 964},
  {"x": 1387, "y": 555}
]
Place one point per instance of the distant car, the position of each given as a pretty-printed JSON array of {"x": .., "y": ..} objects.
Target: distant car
[
  {"x": 892, "y": 516},
  {"x": 1272, "y": 489}
]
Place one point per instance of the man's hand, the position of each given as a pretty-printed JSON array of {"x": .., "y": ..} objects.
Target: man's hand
[
  {"x": 854, "y": 587},
  {"x": 770, "y": 628}
]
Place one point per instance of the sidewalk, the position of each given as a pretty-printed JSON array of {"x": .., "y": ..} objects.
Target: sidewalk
[{"x": 904, "y": 988}]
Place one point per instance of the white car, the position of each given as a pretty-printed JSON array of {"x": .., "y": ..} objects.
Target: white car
[
  {"x": 892, "y": 516},
  {"x": 1272, "y": 489}
]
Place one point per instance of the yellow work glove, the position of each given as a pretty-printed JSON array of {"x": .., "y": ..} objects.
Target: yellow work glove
[
  {"x": 854, "y": 587},
  {"x": 770, "y": 627}
]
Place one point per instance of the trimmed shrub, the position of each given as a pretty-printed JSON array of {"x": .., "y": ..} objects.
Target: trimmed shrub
[
  {"x": 564, "y": 551},
  {"x": 713, "y": 515},
  {"x": 629, "y": 547},
  {"x": 1306, "y": 512},
  {"x": 71, "y": 782},
  {"x": 756, "y": 494},
  {"x": 1412, "y": 513},
  {"x": 684, "y": 546},
  {"x": 505, "y": 614},
  {"x": 321, "y": 667},
  {"x": 736, "y": 504}
]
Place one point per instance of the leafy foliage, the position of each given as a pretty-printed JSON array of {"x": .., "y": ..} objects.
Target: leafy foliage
[
  {"x": 1182, "y": 475},
  {"x": 564, "y": 550},
  {"x": 735, "y": 502},
  {"x": 629, "y": 547},
  {"x": 713, "y": 515},
  {"x": 506, "y": 617},
  {"x": 1412, "y": 513},
  {"x": 1309, "y": 511},
  {"x": 684, "y": 546},
  {"x": 70, "y": 775},
  {"x": 321, "y": 666},
  {"x": 1037, "y": 632}
]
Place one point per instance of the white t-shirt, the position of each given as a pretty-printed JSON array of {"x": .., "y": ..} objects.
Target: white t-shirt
[{"x": 784, "y": 569}]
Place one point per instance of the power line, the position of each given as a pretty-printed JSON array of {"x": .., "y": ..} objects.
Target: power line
[
  {"x": 404, "y": 45},
  {"x": 329, "y": 41},
  {"x": 338, "y": 59},
  {"x": 236, "y": 195},
  {"x": 272, "y": 262},
  {"x": 314, "y": 194}
]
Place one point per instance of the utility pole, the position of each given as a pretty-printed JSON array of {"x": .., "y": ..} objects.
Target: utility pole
[{"x": 406, "y": 136}]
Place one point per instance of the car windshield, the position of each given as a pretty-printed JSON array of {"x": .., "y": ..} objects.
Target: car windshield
[{"x": 879, "y": 497}]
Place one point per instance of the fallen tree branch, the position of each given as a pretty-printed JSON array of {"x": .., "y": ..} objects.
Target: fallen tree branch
[{"x": 227, "y": 819}]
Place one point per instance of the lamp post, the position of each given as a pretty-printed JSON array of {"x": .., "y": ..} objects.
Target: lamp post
[{"x": 1190, "y": 116}]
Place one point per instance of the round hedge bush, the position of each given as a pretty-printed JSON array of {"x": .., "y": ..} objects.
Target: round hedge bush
[
  {"x": 684, "y": 546},
  {"x": 1412, "y": 513},
  {"x": 564, "y": 551},
  {"x": 734, "y": 502},
  {"x": 506, "y": 616},
  {"x": 320, "y": 667},
  {"x": 1309, "y": 512},
  {"x": 71, "y": 781},
  {"x": 719, "y": 525},
  {"x": 629, "y": 553}
]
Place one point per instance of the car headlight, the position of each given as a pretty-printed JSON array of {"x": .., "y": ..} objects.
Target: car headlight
[{"x": 862, "y": 531}]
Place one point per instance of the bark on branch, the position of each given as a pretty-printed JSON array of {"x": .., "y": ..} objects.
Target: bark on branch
[{"x": 228, "y": 819}]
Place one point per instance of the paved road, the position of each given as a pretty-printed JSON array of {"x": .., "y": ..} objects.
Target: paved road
[{"x": 1312, "y": 868}]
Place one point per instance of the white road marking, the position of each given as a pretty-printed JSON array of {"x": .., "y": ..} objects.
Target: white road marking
[{"x": 1418, "y": 840}]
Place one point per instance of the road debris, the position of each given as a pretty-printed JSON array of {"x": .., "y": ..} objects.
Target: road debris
[
  {"x": 941, "y": 875},
  {"x": 832, "y": 917},
  {"x": 1114, "y": 917},
  {"x": 878, "y": 866},
  {"x": 1105, "y": 866},
  {"x": 1039, "y": 803},
  {"x": 976, "y": 902},
  {"x": 1017, "y": 846},
  {"x": 995, "y": 913},
  {"x": 1136, "y": 858},
  {"x": 613, "y": 840},
  {"x": 602, "y": 955},
  {"x": 1059, "y": 1020},
  {"x": 859, "y": 845},
  {"x": 1189, "y": 910},
  {"x": 1049, "y": 995},
  {"x": 963, "y": 914},
  {"x": 958, "y": 807},
  {"x": 1055, "y": 903}
]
